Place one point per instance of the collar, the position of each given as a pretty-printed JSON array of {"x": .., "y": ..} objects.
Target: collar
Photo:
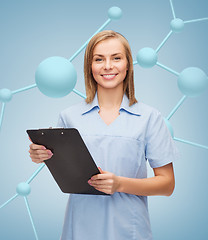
[{"x": 133, "y": 109}]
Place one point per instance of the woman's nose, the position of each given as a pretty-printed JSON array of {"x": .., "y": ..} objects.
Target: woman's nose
[{"x": 108, "y": 64}]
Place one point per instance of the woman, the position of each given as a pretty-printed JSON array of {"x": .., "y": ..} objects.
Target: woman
[{"x": 121, "y": 134}]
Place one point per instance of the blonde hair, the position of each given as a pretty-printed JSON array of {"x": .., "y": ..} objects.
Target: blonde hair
[{"x": 90, "y": 83}]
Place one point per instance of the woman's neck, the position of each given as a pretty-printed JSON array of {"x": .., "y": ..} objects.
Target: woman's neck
[{"x": 109, "y": 98}]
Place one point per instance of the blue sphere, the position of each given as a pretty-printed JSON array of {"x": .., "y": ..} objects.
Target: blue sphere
[
  {"x": 114, "y": 13},
  {"x": 177, "y": 25},
  {"x": 146, "y": 57},
  {"x": 5, "y": 95},
  {"x": 56, "y": 77},
  {"x": 192, "y": 81},
  {"x": 170, "y": 128},
  {"x": 23, "y": 189}
]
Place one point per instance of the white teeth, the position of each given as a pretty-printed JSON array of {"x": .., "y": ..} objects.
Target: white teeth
[{"x": 109, "y": 76}]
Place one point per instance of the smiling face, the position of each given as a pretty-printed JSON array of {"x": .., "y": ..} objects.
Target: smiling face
[{"x": 109, "y": 63}]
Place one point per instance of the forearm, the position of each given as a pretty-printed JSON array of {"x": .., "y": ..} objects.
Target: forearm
[
  {"x": 162, "y": 183},
  {"x": 158, "y": 185}
]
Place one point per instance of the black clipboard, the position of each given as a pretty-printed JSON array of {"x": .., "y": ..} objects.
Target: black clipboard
[{"x": 71, "y": 164}]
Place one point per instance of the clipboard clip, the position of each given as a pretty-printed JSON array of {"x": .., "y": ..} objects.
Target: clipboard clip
[
  {"x": 60, "y": 129},
  {"x": 42, "y": 130}
]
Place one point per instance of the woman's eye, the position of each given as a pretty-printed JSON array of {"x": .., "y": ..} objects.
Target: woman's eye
[
  {"x": 117, "y": 58},
  {"x": 98, "y": 59}
]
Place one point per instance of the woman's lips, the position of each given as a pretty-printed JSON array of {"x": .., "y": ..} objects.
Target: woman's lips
[{"x": 109, "y": 76}]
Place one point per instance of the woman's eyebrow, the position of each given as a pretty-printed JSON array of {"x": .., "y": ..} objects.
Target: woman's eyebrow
[{"x": 100, "y": 55}]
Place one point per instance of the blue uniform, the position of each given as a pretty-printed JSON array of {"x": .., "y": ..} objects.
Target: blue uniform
[{"x": 137, "y": 134}]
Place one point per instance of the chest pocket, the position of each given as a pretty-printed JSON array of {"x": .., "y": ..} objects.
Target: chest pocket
[{"x": 119, "y": 155}]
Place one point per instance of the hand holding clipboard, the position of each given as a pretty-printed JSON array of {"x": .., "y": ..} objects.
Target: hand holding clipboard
[{"x": 71, "y": 163}]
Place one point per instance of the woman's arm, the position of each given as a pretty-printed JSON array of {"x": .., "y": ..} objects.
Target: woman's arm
[{"x": 162, "y": 183}]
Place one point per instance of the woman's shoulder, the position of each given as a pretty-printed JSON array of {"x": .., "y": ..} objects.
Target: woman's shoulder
[
  {"x": 76, "y": 108},
  {"x": 145, "y": 109}
]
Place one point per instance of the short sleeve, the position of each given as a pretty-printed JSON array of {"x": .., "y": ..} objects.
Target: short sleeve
[{"x": 160, "y": 148}]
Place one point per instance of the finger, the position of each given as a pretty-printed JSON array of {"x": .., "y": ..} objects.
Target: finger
[
  {"x": 40, "y": 156},
  {"x": 102, "y": 188},
  {"x": 41, "y": 152},
  {"x": 47, "y": 152},
  {"x": 99, "y": 182},
  {"x": 107, "y": 191},
  {"x": 101, "y": 171},
  {"x": 37, "y": 152},
  {"x": 36, "y": 147},
  {"x": 101, "y": 176},
  {"x": 30, "y": 139},
  {"x": 108, "y": 184}
]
